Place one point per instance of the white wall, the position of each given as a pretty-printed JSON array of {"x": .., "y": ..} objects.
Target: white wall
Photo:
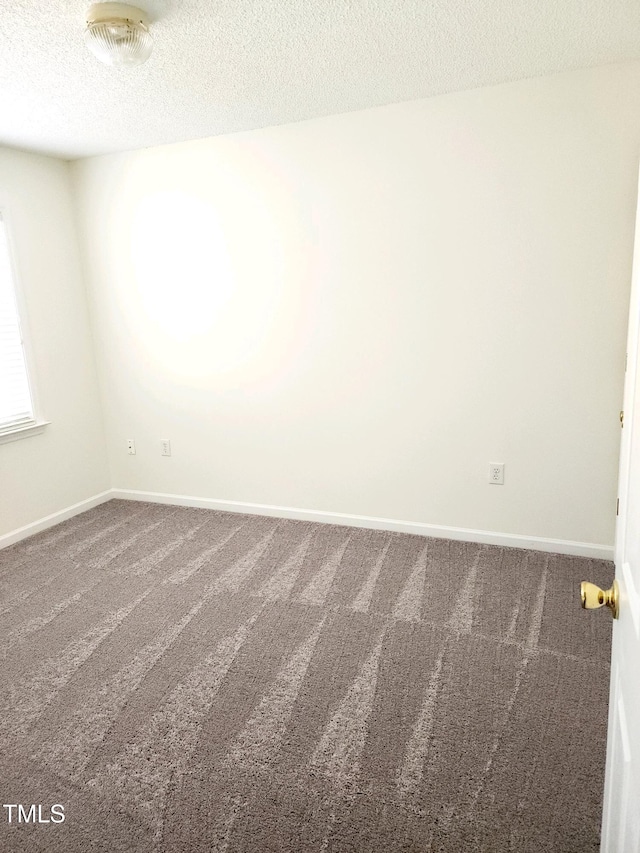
[
  {"x": 44, "y": 474},
  {"x": 357, "y": 314}
]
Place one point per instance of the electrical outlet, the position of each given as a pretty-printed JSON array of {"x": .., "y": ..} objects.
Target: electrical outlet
[
  {"x": 165, "y": 447},
  {"x": 131, "y": 447},
  {"x": 496, "y": 473}
]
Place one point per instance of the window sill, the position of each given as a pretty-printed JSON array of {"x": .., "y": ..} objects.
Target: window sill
[{"x": 18, "y": 432}]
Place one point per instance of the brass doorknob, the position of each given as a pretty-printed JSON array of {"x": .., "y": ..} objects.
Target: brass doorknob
[{"x": 593, "y": 597}]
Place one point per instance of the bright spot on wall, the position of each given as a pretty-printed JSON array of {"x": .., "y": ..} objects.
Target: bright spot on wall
[
  {"x": 207, "y": 290},
  {"x": 180, "y": 263}
]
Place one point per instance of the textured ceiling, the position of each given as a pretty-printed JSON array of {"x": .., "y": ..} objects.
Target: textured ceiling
[{"x": 220, "y": 66}]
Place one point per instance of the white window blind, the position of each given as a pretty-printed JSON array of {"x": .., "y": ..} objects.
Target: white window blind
[{"x": 16, "y": 407}]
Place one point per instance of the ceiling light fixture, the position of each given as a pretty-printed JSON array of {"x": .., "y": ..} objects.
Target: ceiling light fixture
[{"x": 118, "y": 34}]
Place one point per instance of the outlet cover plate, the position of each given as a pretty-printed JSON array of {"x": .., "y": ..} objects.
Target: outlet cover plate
[{"x": 496, "y": 473}]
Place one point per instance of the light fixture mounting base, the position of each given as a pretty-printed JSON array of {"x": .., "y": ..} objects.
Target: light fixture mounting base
[{"x": 100, "y": 12}]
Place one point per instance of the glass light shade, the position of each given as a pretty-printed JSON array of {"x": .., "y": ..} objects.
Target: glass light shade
[{"x": 119, "y": 41}]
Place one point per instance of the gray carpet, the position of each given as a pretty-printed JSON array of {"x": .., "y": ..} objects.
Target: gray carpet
[{"x": 188, "y": 680}]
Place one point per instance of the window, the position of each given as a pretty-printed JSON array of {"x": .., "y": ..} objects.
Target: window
[{"x": 17, "y": 415}]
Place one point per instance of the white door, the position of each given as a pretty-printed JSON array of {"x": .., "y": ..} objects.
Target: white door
[{"x": 621, "y": 816}]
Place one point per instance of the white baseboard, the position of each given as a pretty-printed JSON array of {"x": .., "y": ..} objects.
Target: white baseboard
[
  {"x": 484, "y": 537},
  {"x": 55, "y": 518}
]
